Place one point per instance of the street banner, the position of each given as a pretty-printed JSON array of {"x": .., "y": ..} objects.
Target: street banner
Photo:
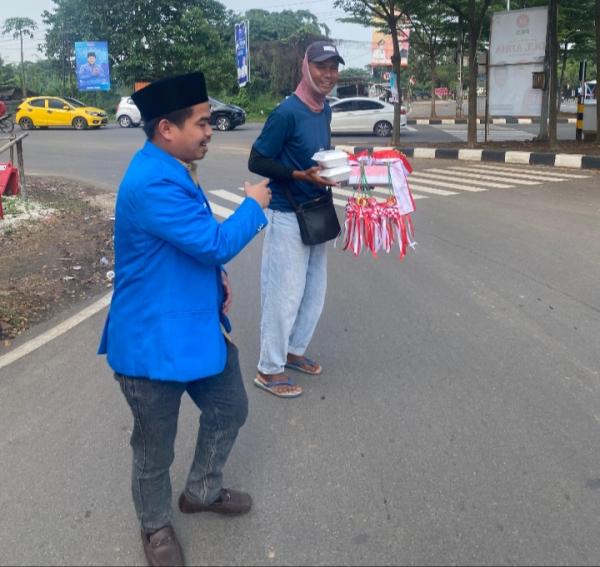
[
  {"x": 91, "y": 65},
  {"x": 382, "y": 48},
  {"x": 242, "y": 51},
  {"x": 517, "y": 50}
]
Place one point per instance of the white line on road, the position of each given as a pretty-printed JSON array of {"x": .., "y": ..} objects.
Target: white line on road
[
  {"x": 55, "y": 332},
  {"x": 513, "y": 175},
  {"x": 220, "y": 211},
  {"x": 535, "y": 172},
  {"x": 436, "y": 179},
  {"x": 228, "y": 196},
  {"x": 425, "y": 189},
  {"x": 492, "y": 177}
]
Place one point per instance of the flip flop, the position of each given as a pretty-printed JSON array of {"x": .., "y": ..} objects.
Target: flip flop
[
  {"x": 301, "y": 364},
  {"x": 269, "y": 387}
]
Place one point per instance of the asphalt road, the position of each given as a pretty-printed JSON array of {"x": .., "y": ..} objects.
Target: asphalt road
[
  {"x": 103, "y": 155},
  {"x": 457, "y": 421}
]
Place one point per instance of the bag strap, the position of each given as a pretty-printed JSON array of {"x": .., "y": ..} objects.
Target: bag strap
[
  {"x": 288, "y": 194},
  {"x": 286, "y": 186}
]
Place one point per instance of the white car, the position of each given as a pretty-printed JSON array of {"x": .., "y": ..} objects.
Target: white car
[
  {"x": 365, "y": 115},
  {"x": 127, "y": 113}
]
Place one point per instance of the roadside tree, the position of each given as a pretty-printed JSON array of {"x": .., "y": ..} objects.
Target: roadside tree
[{"x": 18, "y": 28}]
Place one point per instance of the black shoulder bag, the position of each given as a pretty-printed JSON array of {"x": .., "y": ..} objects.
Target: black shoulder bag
[{"x": 317, "y": 218}]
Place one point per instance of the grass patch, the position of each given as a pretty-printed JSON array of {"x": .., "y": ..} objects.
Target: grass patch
[{"x": 14, "y": 206}]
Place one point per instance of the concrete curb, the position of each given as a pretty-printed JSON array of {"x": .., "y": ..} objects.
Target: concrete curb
[
  {"x": 507, "y": 120},
  {"x": 576, "y": 161}
]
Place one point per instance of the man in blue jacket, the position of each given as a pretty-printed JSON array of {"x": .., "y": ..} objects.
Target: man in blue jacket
[{"x": 164, "y": 334}]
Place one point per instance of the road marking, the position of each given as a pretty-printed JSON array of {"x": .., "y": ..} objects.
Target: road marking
[
  {"x": 437, "y": 179},
  {"x": 386, "y": 191},
  {"x": 512, "y": 175},
  {"x": 430, "y": 190},
  {"x": 538, "y": 173},
  {"x": 220, "y": 211},
  {"x": 230, "y": 149},
  {"x": 228, "y": 196},
  {"x": 55, "y": 332},
  {"x": 378, "y": 190},
  {"x": 498, "y": 134},
  {"x": 496, "y": 177}
]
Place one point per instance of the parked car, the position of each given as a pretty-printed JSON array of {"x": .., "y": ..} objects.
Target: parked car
[
  {"x": 225, "y": 116},
  {"x": 127, "y": 113},
  {"x": 47, "y": 111},
  {"x": 364, "y": 115}
]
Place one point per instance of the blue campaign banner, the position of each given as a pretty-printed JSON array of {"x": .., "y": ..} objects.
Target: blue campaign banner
[
  {"x": 242, "y": 49},
  {"x": 91, "y": 65}
]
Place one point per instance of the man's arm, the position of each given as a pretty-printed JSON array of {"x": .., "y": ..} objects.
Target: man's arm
[{"x": 168, "y": 212}]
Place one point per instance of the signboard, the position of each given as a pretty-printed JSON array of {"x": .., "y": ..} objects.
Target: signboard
[
  {"x": 242, "y": 50},
  {"x": 91, "y": 65},
  {"x": 519, "y": 36},
  {"x": 517, "y": 49},
  {"x": 382, "y": 48}
]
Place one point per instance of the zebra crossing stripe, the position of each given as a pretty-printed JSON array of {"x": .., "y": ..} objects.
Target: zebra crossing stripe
[
  {"x": 378, "y": 190},
  {"x": 538, "y": 173},
  {"x": 496, "y": 177},
  {"x": 228, "y": 196},
  {"x": 220, "y": 211},
  {"x": 386, "y": 191},
  {"x": 431, "y": 190},
  {"x": 437, "y": 179},
  {"x": 483, "y": 169}
]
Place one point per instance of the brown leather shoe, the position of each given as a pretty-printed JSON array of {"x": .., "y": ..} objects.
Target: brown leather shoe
[
  {"x": 162, "y": 548},
  {"x": 229, "y": 502}
]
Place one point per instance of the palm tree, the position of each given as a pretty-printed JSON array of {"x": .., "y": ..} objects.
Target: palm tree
[{"x": 20, "y": 27}]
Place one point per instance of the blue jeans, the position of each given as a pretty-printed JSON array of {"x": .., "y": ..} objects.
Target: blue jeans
[
  {"x": 155, "y": 406},
  {"x": 293, "y": 286}
]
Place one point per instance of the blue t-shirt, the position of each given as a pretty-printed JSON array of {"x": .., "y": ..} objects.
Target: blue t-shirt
[{"x": 292, "y": 135}]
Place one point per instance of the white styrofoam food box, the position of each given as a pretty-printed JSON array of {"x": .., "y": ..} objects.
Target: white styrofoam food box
[
  {"x": 331, "y": 158},
  {"x": 335, "y": 174}
]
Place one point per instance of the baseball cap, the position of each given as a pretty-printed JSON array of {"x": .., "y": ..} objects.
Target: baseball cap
[{"x": 321, "y": 51}]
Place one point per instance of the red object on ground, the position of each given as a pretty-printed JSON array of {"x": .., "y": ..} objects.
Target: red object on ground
[{"x": 9, "y": 182}]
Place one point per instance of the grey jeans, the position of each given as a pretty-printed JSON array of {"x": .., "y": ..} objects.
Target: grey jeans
[{"x": 155, "y": 406}]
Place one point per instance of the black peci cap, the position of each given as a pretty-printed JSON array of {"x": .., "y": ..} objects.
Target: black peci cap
[
  {"x": 321, "y": 51},
  {"x": 170, "y": 94}
]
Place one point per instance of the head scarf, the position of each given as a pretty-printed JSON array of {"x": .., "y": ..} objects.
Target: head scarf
[{"x": 307, "y": 91}]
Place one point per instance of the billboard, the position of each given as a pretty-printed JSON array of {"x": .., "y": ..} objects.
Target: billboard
[
  {"x": 242, "y": 50},
  {"x": 517, "y": 49},
  {"x": 382, "y": 48},
  {"x": 91, "y": 65}
]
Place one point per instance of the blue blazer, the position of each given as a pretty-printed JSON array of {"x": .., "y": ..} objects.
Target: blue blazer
[{"x": 164, "y": 321}]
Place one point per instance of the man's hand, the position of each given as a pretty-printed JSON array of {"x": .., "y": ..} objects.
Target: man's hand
[
  {"x": 227, "y": 292},
  {"x": 311, "y": 175},
  {"x": 259, "y": 192}
]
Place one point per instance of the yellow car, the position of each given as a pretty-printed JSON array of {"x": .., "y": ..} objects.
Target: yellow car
[{"x": 47, "y": 111}]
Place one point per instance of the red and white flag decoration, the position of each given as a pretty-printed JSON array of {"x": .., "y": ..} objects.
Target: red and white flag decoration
[{"x": 373, "y": 225}]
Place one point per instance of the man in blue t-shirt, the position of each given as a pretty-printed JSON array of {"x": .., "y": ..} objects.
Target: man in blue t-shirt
[{"x": 293, "y": 275}]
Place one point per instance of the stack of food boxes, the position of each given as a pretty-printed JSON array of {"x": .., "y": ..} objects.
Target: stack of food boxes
[{"x": 335, "y": 165}]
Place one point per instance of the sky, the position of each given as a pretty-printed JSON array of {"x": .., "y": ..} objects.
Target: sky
[{"x": 355, "y": 48}]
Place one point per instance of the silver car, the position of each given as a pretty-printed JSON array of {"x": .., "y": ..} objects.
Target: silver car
[
  {"x": 127, "y": 113},
  {"x": 364, "y": 115}
]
